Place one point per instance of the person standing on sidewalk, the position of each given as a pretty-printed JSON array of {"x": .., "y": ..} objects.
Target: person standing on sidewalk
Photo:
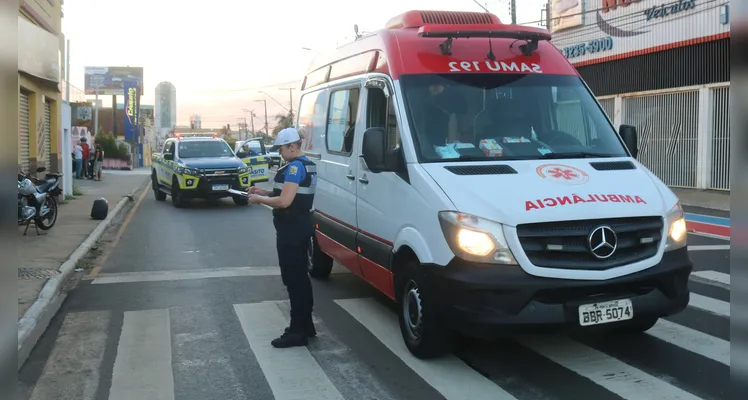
[
  {"x": 86, "y": 157},
  {"x": 292, "y": 199},
  {"x": 78, "y": 152},
  {"x": 98, "y": 162}
]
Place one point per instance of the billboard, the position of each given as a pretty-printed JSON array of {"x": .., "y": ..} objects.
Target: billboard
[
  {"x": 132, "y": 108},
  {"x": 618, "y": 29},
  {"x": 111, "y": 80},
  {"x": 566, "y": 14}
]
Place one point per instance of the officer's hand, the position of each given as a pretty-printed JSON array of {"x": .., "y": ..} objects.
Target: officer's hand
[{"x": 253, "y": 199}]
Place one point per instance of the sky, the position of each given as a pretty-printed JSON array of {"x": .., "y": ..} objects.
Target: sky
[{"x": 221, "y": 54}]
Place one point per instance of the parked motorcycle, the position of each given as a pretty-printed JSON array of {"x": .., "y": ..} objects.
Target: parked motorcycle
[{"x": 36, "y": 200}]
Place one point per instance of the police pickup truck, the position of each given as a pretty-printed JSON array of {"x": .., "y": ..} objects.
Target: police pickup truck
[
  {"x": 254, "y": 154},
  {"x": 197, "y": 166}
]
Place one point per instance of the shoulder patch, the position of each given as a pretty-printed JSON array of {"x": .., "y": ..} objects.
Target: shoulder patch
[{"x": 292, "y": 170}]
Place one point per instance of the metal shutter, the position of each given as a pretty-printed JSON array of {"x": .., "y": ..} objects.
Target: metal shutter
[
  {"x": 24, "y": 135},
  {"x": 48, "y": 136}
]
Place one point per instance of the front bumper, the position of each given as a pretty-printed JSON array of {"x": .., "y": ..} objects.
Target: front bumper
[
  {"x": 202, "y": 187},
  {"x": 486, "y": 301}
]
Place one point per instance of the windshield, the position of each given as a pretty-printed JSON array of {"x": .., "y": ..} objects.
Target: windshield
[
  {"x": 204, "y": 148},
  {"x": 506, "y": 116}
]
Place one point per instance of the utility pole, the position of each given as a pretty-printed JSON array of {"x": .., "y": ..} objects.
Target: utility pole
[
  {"x": 513, "y": 5},
  {"x": 252, "y": 121},
  {"x": 267, "y": 132},
  {"x": 548, "y": 15},
  {"x": 290, "y": 98}
]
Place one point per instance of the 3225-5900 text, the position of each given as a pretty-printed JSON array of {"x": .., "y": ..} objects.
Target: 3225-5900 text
[{"x": 591, "y": 47}]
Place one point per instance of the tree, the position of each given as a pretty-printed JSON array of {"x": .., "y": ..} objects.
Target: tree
[{"x": 283, "y": 121}]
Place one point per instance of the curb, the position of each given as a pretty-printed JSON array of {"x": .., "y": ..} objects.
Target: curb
[{"x": 36, "y": 319}]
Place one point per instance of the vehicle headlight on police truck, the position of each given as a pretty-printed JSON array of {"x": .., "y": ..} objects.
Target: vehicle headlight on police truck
[
  {"x": 475, "y": 239},
  {"x": 675, "y": 223}
]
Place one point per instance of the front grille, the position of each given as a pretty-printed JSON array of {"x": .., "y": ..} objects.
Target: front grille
[
  {"x": 223, "y": 171},
  {"x": 564, "y": 244}
]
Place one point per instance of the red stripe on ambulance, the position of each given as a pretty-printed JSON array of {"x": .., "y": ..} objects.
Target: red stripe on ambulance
[{"x": 576, "y": 199}]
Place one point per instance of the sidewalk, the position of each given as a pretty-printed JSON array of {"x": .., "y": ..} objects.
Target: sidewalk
[
  {"x": 714, "y": 199},
  {"x": 41, "y": 256}
]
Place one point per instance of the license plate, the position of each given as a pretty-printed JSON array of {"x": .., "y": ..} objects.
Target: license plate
[
  {"x": 603, "y": 313},
  {"x": 220, "y": 187}
]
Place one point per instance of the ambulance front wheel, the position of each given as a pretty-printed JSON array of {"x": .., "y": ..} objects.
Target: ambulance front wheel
[
  {"x": 421, "y": 329},
  {"x": 319, "y": 264}
]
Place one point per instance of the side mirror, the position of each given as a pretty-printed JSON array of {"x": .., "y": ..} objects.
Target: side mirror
[
  {"x": 169, "y": 156},
  {"x": 41, "y": 169},
  {"x": 628, "y": 134},
  {"x": 374, "y": 149},
  {"x": 241, "y": 154}
]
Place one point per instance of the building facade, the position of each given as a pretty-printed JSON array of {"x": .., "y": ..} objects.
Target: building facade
[
  {"x": 662, "y": 66},
  {"x": 165, "y": 106},
  {"x": 39, "y": 100}
]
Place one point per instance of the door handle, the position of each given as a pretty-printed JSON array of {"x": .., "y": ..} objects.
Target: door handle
[
  {"x": 363, "y": 180},
  {"x": 350, "y": 176}
]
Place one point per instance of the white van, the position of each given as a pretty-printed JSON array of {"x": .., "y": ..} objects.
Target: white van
[{"x": 478, "y": 183}]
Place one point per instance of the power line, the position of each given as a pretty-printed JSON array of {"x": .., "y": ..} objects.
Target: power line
[{"x": 256, "y": 88}]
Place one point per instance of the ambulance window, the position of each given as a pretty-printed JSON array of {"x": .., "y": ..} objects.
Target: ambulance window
[
  {"x": 380, "y": 113},
  {"x": 311, "y": 124},
  {"x": 570, "y": 115},
  {"x": 341, "y": 121}
]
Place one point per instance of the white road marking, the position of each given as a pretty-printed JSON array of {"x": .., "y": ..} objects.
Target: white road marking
[
  {"x": 692, "y": 340},
  {"x": 449, "y": 375},
  {"x": 604, "y": 370},
  {"x": 179, "y": 275},
  {"x": 708, "y": 304},
  {"x": 709, "y": 247},
  {"x": 142, "y": 369},
  {"x": 292, "y": 373},
  {"x": 712, "y": 278},
  {"x": 72, "y": 369}
]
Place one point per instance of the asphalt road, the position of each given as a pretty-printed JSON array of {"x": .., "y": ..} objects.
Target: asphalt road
[{"x": 187, "y": 301}]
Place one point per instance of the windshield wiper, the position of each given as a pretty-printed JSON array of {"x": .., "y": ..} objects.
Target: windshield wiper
[{"x": 577, "y": 154}]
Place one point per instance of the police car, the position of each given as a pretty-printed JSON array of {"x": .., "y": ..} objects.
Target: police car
[
  {"x": 254, "y": 154},
  {"x": 197, "y": 166}
]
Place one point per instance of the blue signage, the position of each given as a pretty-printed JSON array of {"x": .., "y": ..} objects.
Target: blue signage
[
  {"x": 132, "y": 108},
  {"x": 591, "y": 47}
]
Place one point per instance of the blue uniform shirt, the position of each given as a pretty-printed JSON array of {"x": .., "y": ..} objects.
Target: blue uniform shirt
[{"x": 296, "y": 171}]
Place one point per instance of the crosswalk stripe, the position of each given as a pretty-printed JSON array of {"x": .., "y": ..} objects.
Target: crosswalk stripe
[
  {"x": 142, "y": 368},
  {"x": 692, "y": 340},
  {"x": 178, "y": 275},
  {"x": 604, "y": 370},
  {"x": 69, "y": 362},
  {"x": 292, "y": 373},
  {"x": 708, "y": 304},
  {"x": 441, "y": 373},
  {"x": 715, "y": 278}
]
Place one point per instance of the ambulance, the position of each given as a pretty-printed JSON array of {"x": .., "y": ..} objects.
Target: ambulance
[{"x": 467, "y": 172}]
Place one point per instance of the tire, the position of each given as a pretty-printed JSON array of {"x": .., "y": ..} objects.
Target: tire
[
  {"x": 319, "y": 264},
  {"x": 421, "y": 329},
  {"x": 53, "y": 211},
  {"x": 176, "y": 195},
  {"x": 239, "y": 201},
  {"x": 637, "y": 326},
  {"x": 157, "y": 192}
]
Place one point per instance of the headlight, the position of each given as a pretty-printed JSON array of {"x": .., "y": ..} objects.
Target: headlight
[
  {"x": 475, "y": 239},
  {"x": 188, "y": 171},
  {"x": 243, "y": 169},
  {"x": 675, "y": 224}
]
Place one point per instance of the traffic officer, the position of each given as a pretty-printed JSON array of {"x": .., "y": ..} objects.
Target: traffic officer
[{"x": 291, "y": 199}]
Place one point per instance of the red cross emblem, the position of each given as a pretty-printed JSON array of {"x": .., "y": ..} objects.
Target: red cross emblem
[{"x": 563, "y": 174}]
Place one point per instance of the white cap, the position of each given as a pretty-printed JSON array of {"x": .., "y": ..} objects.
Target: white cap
[{"x": 285, "y": 136}]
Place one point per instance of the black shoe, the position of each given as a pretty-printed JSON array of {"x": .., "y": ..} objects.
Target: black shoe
[
  {"x": 310, "y": 331},
  {"x": 290, "y": 339}
]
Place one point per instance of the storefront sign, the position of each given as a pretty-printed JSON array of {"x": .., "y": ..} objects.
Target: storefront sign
[
  {"x": 591, "y": 47},
  {"x": 666, "y": 10},
  {"x": 132, "y": 107}
]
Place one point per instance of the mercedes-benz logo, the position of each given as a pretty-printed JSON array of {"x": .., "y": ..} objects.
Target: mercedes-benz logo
[{"x": 603, "y": 242}]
